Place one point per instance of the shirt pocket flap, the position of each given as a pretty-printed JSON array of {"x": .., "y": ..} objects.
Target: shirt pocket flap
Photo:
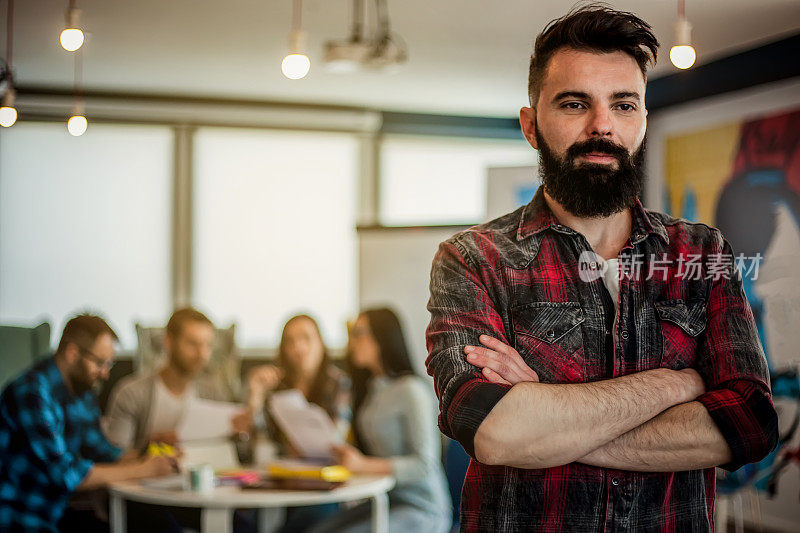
[
  {"x": 690, "y": 317},
  {"x": 547, "y": 321}
]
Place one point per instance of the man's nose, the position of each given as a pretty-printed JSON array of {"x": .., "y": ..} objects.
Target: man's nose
[{"x": 600, "y": 124}]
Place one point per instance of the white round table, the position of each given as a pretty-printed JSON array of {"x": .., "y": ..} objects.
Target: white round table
[{"x": 217, "y": 506}]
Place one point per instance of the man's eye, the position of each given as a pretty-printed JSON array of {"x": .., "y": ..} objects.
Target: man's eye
[
  {"x": 626, "y": 107},
  {"x": 573, "y": 105}
]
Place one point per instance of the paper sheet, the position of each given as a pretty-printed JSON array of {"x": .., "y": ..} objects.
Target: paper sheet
[
  {"x": 220, "y": 454},
  {"x": 207, "y": 419},
  {"x": 307, "y": 426}
]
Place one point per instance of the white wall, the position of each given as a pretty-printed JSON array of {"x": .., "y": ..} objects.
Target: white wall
[{"x": 394, "y": 270}]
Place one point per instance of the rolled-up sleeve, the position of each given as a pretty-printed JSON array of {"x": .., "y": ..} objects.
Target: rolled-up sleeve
[
  {"x": 461, "y": 310},
  {"x": 732, "y": 363}
]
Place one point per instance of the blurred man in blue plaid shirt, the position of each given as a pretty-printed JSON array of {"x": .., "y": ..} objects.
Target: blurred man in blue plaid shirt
[{"x": 50, "y": 439}]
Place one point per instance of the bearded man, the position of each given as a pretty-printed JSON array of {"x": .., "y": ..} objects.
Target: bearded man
[
  {"x": 51, "y": 445},
  {"x": 595, "y": 380}
]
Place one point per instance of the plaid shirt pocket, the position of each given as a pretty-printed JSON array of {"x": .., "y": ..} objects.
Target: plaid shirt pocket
[
  {"x": 549, "y": 337},
  {"x": 682, "y": 325}
]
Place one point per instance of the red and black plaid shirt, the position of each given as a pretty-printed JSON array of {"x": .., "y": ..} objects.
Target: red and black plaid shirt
[{"x": 517, "y": 279}]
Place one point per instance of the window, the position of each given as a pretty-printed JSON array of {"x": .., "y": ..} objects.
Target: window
[
  {"x": 430, "y": 180},
  {"x": 85, "y": 225},
  {"x": 274, "y": 230}
]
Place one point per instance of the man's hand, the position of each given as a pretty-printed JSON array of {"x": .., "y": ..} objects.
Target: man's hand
[
  {"x": 242, "y": 422},
  {"x": 500, "y": 363},
  {"x": 167, "y": 437},
  {"x": 156, "y": 466},
  {"x": 100, "y": 475}
]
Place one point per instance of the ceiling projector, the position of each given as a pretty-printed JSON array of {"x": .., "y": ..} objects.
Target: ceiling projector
[
  {"x": 375, "y": 48},
  {"x": 353, "y": 55}
]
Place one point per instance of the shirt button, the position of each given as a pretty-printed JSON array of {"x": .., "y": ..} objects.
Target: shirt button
[
  {"x": 624, "y": 334},
  {"x": 551, "y": 334},
  {"x": 593, "y": 265},
  {"x": 615, "y": 482}
]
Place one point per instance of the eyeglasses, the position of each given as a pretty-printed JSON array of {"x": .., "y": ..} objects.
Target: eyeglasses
[{"x": 97, "y": 360}]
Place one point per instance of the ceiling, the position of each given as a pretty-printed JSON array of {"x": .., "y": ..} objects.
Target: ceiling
[{"x": 465, "y": 56}]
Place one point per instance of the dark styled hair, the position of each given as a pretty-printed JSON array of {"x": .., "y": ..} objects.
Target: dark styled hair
[
  {"x": 393, "y": 352},
  {"x": 182, "y": 316},
  {"x": 324, "y": 387},
  {"x": 593, "y": 27},
  {"x": 83, "y": 330}
]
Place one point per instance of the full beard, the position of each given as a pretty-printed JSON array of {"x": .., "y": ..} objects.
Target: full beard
[
  {"x": 592, "y": 190},
  {"x": 81, "y": 384}
]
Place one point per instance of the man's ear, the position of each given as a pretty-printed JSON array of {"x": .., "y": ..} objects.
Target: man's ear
[
  {"x": 71, "y": 353},
  {"x": 167, "y": 343},
  {"x": 527, "y": 121}
]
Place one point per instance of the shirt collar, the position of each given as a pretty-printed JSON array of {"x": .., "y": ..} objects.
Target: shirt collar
[
  {"x": 537, "y": 216},
  {"x": 55, "y": 380}
]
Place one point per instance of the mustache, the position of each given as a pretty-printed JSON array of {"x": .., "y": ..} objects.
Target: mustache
[{"x": 597, "y": 145}]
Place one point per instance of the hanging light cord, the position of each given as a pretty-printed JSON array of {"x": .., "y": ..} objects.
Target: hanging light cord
[
  {"x": 682, "y": 9},
  {"x": 358, "y": 20},
  {"x": 9, "y": 35},
  {"x": 297, "y": 15}
]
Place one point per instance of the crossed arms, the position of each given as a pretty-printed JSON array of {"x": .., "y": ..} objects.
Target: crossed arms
[{"x": 638, "y": 422}]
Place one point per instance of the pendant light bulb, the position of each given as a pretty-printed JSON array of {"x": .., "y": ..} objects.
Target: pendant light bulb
[
  {"x": 296, "y": 64},
  {"x": 8, "y": 114},
  {"x": 682, "y": 54},
  {"x": 77, "y": 123},
  {"x": 72, "y": 37}
]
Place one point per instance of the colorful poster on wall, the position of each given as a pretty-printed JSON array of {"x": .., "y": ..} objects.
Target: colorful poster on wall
[{"x": 744, "y": 178}]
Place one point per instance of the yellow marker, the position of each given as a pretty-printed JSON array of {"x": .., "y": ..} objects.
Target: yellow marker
[
  {"x": 160, "y": 449},
  {"x": 334, "y": 473}
]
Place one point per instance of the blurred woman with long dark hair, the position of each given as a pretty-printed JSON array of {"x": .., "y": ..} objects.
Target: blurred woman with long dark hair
[
  {"x": 303, "y": 364},
  {"x": 394, "y": 429}
]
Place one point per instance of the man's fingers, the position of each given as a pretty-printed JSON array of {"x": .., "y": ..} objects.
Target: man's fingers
[
  {"x": 480, "y": 350},
  {"x": 494, "y": 377},
  {"x": 509, "y": 366},
  {"x": 511, "y": 360},
  {"x": 503, "y": 348},
  {"x": 497, "y": 362},
  {"x": 506, "y": 372},
  {"x": 495, "y": 344}
]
